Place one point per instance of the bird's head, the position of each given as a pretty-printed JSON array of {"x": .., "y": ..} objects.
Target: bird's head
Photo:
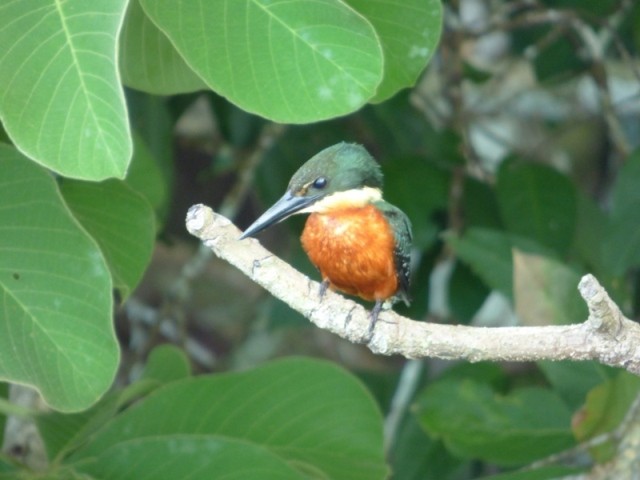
[{"x": 341, "y": 176}]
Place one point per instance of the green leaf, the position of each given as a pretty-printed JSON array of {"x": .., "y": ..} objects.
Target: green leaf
[
  {"x": 148, "y": 60},
  {"x": 6, "y": 467},
  {"x": 190, "y": 456},
  {"x": 474, "y": 73},
  {"x": 419, "y": 195},
  {"x": 62, "y": 103},
  {"x": 558, "y": 61},
  {"x": 167, "y": 363},
  {"x": 488, "y": 253},
  {"x": 573, "y": 380},
  {"x": 120, "y": 221},
  {"x": 466, "y": 292},
  {"x": 551, "y": 472},
  {"x": 606, "y": 406},
  {"x": 622, "y": 240},
  {"x": 290, "y": 61},
  {"x": 56, "y": 331},
  {"x": 152, "y": 169},
  {"x": 480, "y": 205},
  {"x": 590, "y": 10},
  {"x": 483, "y": 372},
  {"x": 546, "y": 291},
  {"x": 539, "y": 203},
  {"x": 145, "y": 176},
  {"x": 307, "y": 414},
  {"x": 399, "y": 129},
  {"x": 409, "y": 31},
  {"x": 420, "y": 282},
  {"x": 64, "y": 432},
  {"x": 591, "y": 228},
  {"x": 416, "y": 456},
  {"x": 515, "y": 429}
]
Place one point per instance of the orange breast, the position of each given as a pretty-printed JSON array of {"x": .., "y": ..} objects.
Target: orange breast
[{"x": 353, "y": 249}]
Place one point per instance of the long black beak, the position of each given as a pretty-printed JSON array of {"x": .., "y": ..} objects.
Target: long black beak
[{"x": 283, "y": 208}]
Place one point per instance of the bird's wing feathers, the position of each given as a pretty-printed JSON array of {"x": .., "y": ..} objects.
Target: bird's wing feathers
[{"x": 403, "y": 238}]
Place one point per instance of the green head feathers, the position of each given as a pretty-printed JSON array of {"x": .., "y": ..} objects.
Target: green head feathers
[{"x": 339, "y": 168}]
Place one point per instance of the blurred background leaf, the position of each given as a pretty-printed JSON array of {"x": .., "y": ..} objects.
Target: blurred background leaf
[{"x": 474, "y": 422}]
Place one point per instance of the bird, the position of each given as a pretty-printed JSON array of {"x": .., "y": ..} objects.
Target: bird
[{"x": 360, "y": 243}]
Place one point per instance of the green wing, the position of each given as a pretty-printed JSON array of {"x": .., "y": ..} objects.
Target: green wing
[{"x": 403, "y": 238}]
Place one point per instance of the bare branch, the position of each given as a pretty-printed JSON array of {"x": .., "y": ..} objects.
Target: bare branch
[{"x": 606, "y": 336}]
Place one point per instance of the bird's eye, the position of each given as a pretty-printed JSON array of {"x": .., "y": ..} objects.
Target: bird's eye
[{"x": 320, "y": 183}]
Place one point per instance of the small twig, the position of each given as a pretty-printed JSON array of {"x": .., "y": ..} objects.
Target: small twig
[{"x": 606, "y": 336}]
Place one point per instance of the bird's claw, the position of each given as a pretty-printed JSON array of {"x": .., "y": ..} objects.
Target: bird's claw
[
  {"x": 323, "y": 289},
  {"x": 373, "y": 317}
]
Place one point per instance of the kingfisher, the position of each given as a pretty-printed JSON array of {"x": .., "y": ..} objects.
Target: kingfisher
[{"x": 359, "y": 242}]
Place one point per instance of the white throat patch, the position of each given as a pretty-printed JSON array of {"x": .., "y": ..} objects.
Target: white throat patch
[{"x": 357, "y": 197}]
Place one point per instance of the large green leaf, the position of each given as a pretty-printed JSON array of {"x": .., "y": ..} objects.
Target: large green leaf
[
  {"x": 292, "y": 61},
  {"x": 190, "y": 456},
  {"x": 539, "y": 203},
  {"x": 515, "y": 429},
  {"x": 148, "y": 61},
  {"x": 56, "y": 332},
  {"x": 121, "y": 221},
  {"x": 622, "y": 238},
  {"x": 298, "y": 418},
  {"x": 546, "y": 291},
  {"x": 409, "y": 31},
  {"x": 64, "y": 432},
  {"x": 61, "y": 102}
]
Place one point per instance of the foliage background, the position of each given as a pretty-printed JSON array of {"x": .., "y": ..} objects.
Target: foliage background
[{"x": 513, "y": 153}]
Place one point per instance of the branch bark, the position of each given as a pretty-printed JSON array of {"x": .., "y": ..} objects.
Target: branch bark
[{"x": 605, "y": 336}]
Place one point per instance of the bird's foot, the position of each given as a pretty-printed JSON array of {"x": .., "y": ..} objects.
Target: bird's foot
[
  {"x": 373, "y": 318},
  {"x": 323, "y": 288}
]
